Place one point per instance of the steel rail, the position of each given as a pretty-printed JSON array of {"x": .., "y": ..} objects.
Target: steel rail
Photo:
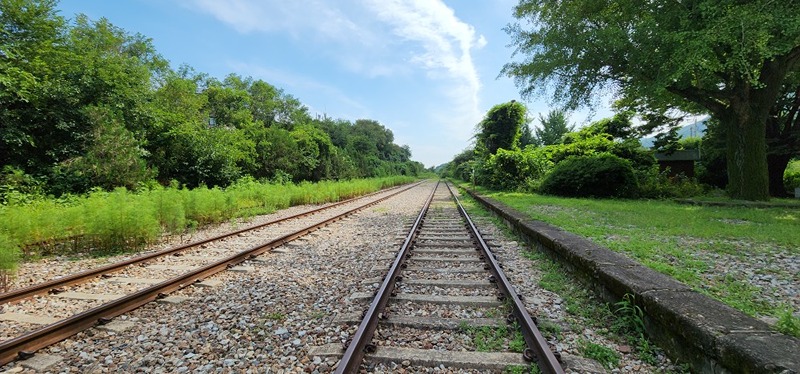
[
  {"x": 540, "y": 350},
  {"x": 354, "y": 354},
  {"x": 24, "y": 345},
  {"x": 84, "y": 276}
]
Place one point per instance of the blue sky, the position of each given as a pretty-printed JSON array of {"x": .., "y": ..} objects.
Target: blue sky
[{"x": 426, "y": 69}]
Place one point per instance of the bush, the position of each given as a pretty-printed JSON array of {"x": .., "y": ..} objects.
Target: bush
[
  {"x": 601, "y": 175},
  {"x": 517, "y": 169},
  {"x": 655, "y": 184},
  {"x": 791, "y": 177}
]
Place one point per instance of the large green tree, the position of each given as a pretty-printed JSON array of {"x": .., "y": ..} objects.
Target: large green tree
[{"x": 727, "y": 57}]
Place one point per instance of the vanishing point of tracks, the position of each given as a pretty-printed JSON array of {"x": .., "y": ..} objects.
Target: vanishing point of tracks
[{"x": 442, "y": 266}]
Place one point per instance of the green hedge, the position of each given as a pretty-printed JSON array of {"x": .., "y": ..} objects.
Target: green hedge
[{"x": 600, "y": 175}]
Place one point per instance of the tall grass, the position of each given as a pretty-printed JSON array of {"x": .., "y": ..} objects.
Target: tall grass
[{"x": 120, "y": 220}]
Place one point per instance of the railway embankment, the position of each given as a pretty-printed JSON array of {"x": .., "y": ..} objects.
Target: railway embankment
[{"x": 693, "y": 328}]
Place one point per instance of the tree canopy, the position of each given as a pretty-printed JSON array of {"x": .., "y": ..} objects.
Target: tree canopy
[
  {"x": 729, "y": 58},
  {"x": 86, "y": 104}
]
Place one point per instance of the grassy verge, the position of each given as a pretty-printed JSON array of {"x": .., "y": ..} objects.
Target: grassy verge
[
  {"x": 734, "y": 254},
  {"x": 109, "y": 222}
]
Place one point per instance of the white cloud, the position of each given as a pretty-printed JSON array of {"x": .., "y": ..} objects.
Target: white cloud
[{"x": 445, "y": 52}]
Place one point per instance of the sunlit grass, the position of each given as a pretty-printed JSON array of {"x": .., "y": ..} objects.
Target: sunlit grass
[
  {"x": 687, "y": 242},
  {"x": 109, "y": 222}
]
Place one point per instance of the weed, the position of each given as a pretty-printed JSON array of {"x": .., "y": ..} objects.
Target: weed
[
  {"x": 788, "y": 323},
  {"x": 275, "y": 316},
  {"x": 494, "y": 338},
  {"x": 606, "y": 356},
  {"x": 550, "y": 328},
  {"x": 487, "y": 338},
  {"x": 103, "y": 223},
  {"x": 532, "y": 369}
]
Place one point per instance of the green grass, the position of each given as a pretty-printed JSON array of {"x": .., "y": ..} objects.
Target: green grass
[
  {"x": 683, "y": 241},
  {"x": 103, "y": 223},
  {"x": 604, "y": 355},
  {"x": 495, "y": 338}
]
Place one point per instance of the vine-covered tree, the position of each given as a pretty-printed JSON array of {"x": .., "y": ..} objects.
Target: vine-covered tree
[
  {"x": 501, "y": 127},
  {"x": 729, "y": 58}
]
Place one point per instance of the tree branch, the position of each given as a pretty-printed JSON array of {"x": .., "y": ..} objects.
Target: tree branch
[{"x": 700, "y": 96}]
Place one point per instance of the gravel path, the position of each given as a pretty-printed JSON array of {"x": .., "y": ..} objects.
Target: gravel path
[{"x": 265, "y": 320}]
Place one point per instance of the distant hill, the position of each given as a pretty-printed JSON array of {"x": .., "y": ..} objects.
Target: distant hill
[{"x": 697, "y": 129}]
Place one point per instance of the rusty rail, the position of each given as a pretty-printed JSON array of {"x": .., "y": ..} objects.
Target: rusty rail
[
  {"x": 538, "y": 349},
  {"x": 359, "y": 344},
  {"x": 84, "y": 276},
  {"x": 28, "y": 343}
]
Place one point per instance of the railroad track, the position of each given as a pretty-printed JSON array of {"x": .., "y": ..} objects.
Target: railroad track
[
  {"x": 34, "y": 317},
  {"x": 443, "y": 287}
]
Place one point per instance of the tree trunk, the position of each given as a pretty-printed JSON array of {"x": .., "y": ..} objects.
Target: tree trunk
[
  {"x": 777, "y": 166},
  {"x": 746, "y": 151}
]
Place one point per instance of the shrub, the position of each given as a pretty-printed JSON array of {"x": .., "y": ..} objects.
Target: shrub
[
  {"x": 655, "y": 184},
  {"x": 601, "y": 175},
  {"x": 791, "y": 176},
  {"x": 513, "y": 170}
]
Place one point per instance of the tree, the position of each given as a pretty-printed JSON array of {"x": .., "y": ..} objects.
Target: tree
[
  {"x": 500, "y": 128},
  {"x": 783, "y": 134},
  {"x": 728, "y": 57},
  {"x": 554, "y": 126}
]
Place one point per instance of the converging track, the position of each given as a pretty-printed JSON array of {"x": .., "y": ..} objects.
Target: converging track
[
  {"x": 444, "y": 268},
  {"x": 165, "y": 271}
]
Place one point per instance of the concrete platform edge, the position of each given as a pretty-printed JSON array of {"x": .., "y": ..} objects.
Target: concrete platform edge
[{"x": 693, "y": 328}]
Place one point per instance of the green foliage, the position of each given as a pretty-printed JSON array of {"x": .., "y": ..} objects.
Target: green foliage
[
  {"x": 646, "y": 231},
  {"x": 654, "y": 184},
  {"x": 603, "y": 175},
  {"x": 116, "y": 221},
  {"x": 495, "y": 338},
  {"x": 788, "y": 323},
  {"x": 606, "y": 356},
  {"x": 170, "y": 210},
  {"x": 87, "y": 104},
  {"x": 517, "y": 169},
  {"x": 554, "y": 127},
  {"x": 791, "y": 176},
  {"x": 16, "y": 187},
  {"x": 500, "y": 128},
  {"x": 9, "y": 253},
  {"x": 109, "y": 222}
]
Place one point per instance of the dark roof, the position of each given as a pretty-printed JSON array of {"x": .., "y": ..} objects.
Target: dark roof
[{"x": 685, "y": 155}]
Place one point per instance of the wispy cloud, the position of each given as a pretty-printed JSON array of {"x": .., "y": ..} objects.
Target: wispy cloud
[
  {"x": 445, "y": 52},
  {"x": 298, "y": 18}
]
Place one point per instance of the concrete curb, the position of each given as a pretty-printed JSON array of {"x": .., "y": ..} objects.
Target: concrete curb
[{"x": 708, "y": 335}]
